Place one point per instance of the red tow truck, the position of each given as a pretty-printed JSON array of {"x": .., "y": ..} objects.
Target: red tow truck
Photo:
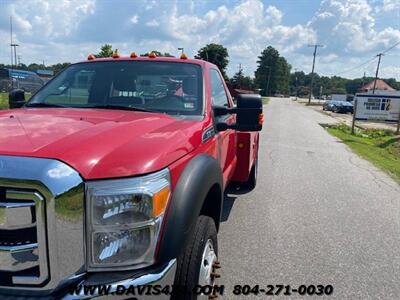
[{"x": 114, "y": 173}]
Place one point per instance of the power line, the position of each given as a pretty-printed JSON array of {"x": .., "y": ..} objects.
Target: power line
[
  {"x": 356, "y": 67},
  {"x": 368, "y": 61},
  {"x": 387, "y": 50}
]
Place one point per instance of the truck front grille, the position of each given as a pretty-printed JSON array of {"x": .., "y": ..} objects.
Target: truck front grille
[{"x": 23, "y": 247}]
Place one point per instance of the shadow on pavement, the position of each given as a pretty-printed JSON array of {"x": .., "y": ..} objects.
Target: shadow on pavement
[
  {"x": 229, "y": 201},
  {"x": 230, "y": 197}
]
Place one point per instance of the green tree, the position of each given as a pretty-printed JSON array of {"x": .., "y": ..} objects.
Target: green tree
[
  {"x": 216, "y": 54},
  {"x": 57, "y": 68},
  {"x": 105, "y": 51},
  {"x": 239, "y": 81},
  {"x": 273, "y": 72},
  {"x": 393, "y": 83}
]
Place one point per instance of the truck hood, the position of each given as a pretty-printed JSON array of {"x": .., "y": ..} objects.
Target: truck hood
[{"x": 99, "y": 143}]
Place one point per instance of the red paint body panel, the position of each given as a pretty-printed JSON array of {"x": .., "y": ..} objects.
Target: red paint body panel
[
  {"x": 246, "y": 156},
  {"x": 99, "y": 143},
  {"x": 103, "y": 144}
]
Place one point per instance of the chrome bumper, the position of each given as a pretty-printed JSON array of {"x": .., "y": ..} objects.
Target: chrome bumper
[{"x": 164, "y": 278}]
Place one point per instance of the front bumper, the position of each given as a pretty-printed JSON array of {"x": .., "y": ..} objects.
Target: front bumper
[{"x": 163, "y": 278}]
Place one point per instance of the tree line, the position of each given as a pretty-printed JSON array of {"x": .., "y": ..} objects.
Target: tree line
[{"x": 272, "y": 76}]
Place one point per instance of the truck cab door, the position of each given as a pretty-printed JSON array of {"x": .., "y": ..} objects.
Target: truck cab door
[{"x": 226, "y": 139}]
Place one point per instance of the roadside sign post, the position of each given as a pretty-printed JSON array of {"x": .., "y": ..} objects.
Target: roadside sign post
[
  {"x": 354, "y": 116},
  {"x": 398, "y": 125}
]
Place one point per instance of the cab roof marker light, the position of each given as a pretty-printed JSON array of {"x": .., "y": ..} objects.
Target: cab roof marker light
[
  {"x": 91, "y": 57},
  {"x": 152, "y": 55},
  {"x": 134, "y": 55},
  {"x": 115, "y": 54},
  {"x": 184, "y": 56}
]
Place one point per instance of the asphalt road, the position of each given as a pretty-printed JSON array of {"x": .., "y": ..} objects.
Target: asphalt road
[{"x": 319, "y": 215}]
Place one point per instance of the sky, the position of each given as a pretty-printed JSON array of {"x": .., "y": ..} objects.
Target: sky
[{"x": 353, "y": 32}]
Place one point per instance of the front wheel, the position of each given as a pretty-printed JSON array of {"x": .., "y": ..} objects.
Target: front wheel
[{"x": 198, "y": 263}]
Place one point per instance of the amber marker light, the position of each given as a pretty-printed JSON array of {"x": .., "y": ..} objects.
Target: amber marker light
[
  {"x": 115, "y": 54},
  {"x": 91, "y": 57},
  {"x": 152, "y": 55},
  {"x": 260, "y": 119},
  {"x": 184, "y": 56},
  {"x": 160, "y": 201},
  {"x": 133, "y": 55}
]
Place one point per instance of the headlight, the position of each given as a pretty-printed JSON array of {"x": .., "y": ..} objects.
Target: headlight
[{"x": 124, "y": 217}]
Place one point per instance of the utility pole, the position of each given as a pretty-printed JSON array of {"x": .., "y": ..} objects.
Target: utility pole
[
  {"x": 13, "y": 45},
  {"x": 377, "y": 71},
  {"x": 295, "y": 74},
  {"x": 312, "y": 71},
  {"x": 11, "y": 54},
  {"x": 15, "y": 53},
  {"x": 180, "y": 48},
  {"x": 19, "y": 60},
  {"x": 11, "y": 42}
]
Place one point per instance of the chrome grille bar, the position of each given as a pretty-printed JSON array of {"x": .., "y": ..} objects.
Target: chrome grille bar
[
  {"x": 19, "y": 248},
  {"x": 16, "y": 204},
  {"x": 23, "y": 249}
]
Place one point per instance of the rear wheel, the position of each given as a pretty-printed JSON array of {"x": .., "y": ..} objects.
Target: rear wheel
[{"x": 198, "y": 262}]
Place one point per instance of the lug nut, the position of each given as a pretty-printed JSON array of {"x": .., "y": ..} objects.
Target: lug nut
[{"x": 217, "y": 265}]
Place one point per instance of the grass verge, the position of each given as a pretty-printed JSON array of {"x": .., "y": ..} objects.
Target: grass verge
[
  {"x": 381, "y": 147},
  {"x": 265, "y": 100},
  {"x": 4, "y": 99}
]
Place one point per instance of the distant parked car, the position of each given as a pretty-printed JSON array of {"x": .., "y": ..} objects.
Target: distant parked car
[
  {"x": 338, "y": 106},
  {"x": 350, "y": 98}
]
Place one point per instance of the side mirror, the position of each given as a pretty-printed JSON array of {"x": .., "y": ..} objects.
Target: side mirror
[
  {"x": 249, "y": 114},
  {"x": 16, "y": 98}
]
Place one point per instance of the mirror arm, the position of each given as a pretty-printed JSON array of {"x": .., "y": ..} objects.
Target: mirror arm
[{"x": 222, "y": 111}]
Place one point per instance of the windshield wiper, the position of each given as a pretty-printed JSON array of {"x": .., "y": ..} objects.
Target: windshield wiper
[
  {"x": 43, "y": 104},
  {"x": 121, "y": 107}
]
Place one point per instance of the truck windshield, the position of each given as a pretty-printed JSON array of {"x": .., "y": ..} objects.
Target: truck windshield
[{"x": 168, "y": 87}]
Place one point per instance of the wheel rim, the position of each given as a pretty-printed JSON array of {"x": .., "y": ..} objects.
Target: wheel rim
[{"x": 207, "y": 265}]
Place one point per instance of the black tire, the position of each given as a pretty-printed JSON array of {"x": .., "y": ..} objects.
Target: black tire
[
  {"x": 191, "y": 258},
  {"x": 336, "y": 109}
]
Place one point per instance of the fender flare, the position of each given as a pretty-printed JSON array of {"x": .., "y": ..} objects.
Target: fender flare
[{"x": 196, "y": 180}]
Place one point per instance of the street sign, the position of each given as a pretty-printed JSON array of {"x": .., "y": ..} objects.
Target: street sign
[{"x": 375, "y": 107}]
